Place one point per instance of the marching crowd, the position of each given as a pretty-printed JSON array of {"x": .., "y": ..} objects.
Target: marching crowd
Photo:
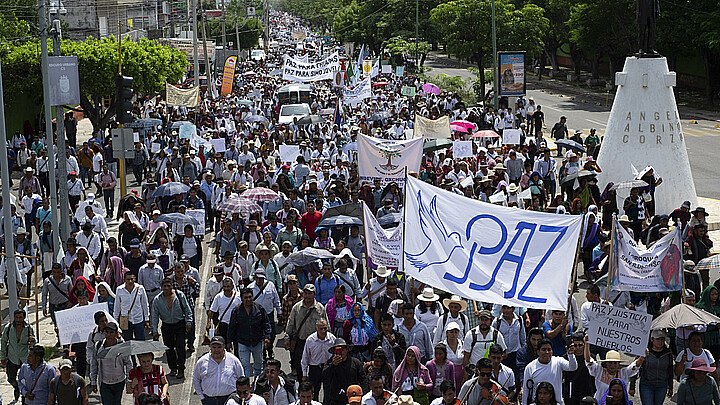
[{"x": 355, "y": 334}]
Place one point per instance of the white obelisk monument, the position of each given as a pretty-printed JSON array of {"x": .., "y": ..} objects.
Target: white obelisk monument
[{"x": 644, "y": 129}]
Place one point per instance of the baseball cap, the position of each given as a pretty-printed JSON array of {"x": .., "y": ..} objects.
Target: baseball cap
[
  {"x": 184, "y": 258},
  {"x": 65, "y": 363},
  {"x": 135, "y": 243},
  {"x": 485, "y": 313},
  {"x": 354, "y": 393},
  {"x": 309, "y": 287},
  {"x": 151, "y": 258},
  {"x": 219, "y": 340},
  {"x": 260, "y": 273},
  {"x": 292, "y": 278},
  {"x": 658, "y": 333},
  {"x": 111, "y": 325}
]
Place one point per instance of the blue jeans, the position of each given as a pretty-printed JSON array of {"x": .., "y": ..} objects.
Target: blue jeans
[
  {"x": 244, "y": 356},
  {"x": 134, "y": 329},
  {"x": 112, "y": 394},
  {"x": 652, "y": 394},
  {"x": 214, "y": 400}
]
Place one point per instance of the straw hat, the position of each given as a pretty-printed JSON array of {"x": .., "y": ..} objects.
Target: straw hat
[
  {"x": 612, "y": 355},
  {"x": 428, "y": 295},
  {"x": 455, "y": 299},
  {"x": 382, "y": 271}
]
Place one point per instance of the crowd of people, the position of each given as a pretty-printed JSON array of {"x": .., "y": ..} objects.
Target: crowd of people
[{"x": 355, "y": 333}]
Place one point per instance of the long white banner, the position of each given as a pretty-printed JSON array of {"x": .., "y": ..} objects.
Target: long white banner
[
  {"x": 432, "y": 129},
  {"x": 361, "y": 91},
  {"x": 486, "y": 252},
  {"x": 299, "y": 71},
  {"x": 383, "y": 247},
  {"x": 386, "y": 159},
  {"x": 185, "y": 97},
  {"x": 656, "y": 269}
]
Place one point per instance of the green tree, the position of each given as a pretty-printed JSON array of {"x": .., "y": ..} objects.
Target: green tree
[
  {"x": 398, "y": 46},
  {"x": 467, "y": 29},
  {"x": 149, "y": 63},
  {"x": 17, "y": 17}
]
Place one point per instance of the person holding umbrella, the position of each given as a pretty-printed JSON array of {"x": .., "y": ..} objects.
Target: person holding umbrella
[{"x": 110, "y": 372}]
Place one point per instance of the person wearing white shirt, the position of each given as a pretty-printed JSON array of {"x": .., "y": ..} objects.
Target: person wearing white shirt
[
  {"x": 213, "y": 287},
  {"x": 90, "y": 240},
  {"x": 315, "y": 355},
  {"x": 97, "y": 221},
  {"x": 481, "y": 337},
  {"x": 131, "y": 302},
  {"x": 455, "y": 306},
  {"x": 222, "y": 306},
  {"x": 348, "y": 278},
  {"x": 245, "y": 156},
  {"x": 611, "y": 370},
  {"x": 305, "y": 395},
  {"x": 546, "y": 368},
  {"x": 512, "y": 328},
  {"x": 71, "y": 163},
  {"x": 378, "y": 393},
  {"x": 216, "y": 373}
]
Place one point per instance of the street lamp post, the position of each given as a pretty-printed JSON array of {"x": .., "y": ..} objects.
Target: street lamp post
[{"x": 496, "y": 88}]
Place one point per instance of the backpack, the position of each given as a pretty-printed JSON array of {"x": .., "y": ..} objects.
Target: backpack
[
  {"x": 474, "y": 341},
  {"x": 498, "y": 321},
  {"x": 76, "y": 381}
]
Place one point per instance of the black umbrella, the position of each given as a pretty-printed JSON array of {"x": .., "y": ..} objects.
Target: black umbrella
[
  {"x": 570, "y": 144},
  {"x": 436, "y": 144},
  {"x": 171, "y": 188},
  {"x": 577, "y": 175},
  {"x": 350, "y": 210},
  {"x": 340, "y": 220},
  {"x": 310, "y": 119}
]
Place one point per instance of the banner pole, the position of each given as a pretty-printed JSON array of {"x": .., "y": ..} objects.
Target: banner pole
[
  {"x": 612, "y": 259},
  {"x": 573, "y": 280}
]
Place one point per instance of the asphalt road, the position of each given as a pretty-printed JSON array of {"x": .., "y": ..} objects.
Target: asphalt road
[{"x": 702, "y": 139}]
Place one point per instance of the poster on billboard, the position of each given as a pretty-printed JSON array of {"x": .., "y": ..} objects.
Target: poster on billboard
[{"x": 512, "y": 73}]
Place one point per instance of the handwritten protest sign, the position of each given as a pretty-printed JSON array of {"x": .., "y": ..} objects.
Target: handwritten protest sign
[
  {"x": 462, "y": 149},
  {"x": 187, "y": 131},
  {"x": 511, "y": 136},
  {"x": 288, "y": 153},
  {"x": 75, "y": 324},
  {"x": 618, "y": 328},
  {"x": 218, "y": 145},
  {"x": 199, "y": 215}
]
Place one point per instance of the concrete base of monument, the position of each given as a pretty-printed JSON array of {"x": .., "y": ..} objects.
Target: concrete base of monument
[{"x": 644, "y": 129}]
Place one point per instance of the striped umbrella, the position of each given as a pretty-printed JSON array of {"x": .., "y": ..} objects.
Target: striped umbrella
[
  {"x": 239, "y": 205},
  {"x": 260, "y": 194},
  {"x": 709, "y": 263}
]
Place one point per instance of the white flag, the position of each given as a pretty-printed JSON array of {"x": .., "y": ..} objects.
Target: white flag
[{"x": 486, "y": 252}]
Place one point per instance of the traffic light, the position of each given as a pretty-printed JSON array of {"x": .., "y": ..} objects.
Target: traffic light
[{"x": 124, "y": 94}]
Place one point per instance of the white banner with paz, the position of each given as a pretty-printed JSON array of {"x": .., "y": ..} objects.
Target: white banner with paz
[
  {"x": 657, "y": 269},
  {"x": 75, "y": 324},
  {"x": 486, "y": 252},
  {"x": 432, "y": 129},
  {"x": 618, "y": 328},
  {"x": 298, "y": 71},
  {"x": 387, "y": 159},
  {"x": 288, "y": 153}
]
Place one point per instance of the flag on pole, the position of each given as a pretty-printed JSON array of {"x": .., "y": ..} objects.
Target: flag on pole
[
  {"x": 349, "y": 73},
  {"x": 375, "y": 71},
  {"x": 337, "y": 118},
  {"x": 361, "y": 56}
]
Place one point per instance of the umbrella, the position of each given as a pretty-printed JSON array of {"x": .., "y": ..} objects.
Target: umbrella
[
  {"x": 436, "y": 144},
  {"x": 132, "y": 348},
  {"x": 570, "y": 144},
  {"x": 245, "y": 102},
  {"x": 171, "y": 188},
  {"x": 709, "y": 263},
  {"x": 629, "y": 184},
  {"x": 458, "y": 128},
  {"x": 127, "y": 203},
  {"x": 340, "y": 220},
  {"x": 239, "y": 205},
  {"x": 80, "y": 212},
  {"x": 307, "y": 256},
  {"x": 486, "y": 133},
  {"x": 178, "y": 124},
  {"x": 390, "y": 219},
  {"x": 463, "y": 123},
  {"x": 382, "y": 115},
  {"x": 177, "y": 218},
  {"x": 310, "y": 119},
  {"x": 256, "y": 118},
  {"x": 577, "y": 175},
  {"x": 350, "y": 210},
  {"x": 683, "y": 315},
  {"x": 431, "y": 88},
  {"x": 260, "y": 194}
]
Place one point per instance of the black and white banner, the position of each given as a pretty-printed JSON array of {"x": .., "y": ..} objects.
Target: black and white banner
[{"x": 299, "y": 71}]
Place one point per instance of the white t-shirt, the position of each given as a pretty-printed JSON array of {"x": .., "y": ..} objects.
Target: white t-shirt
[
  {"x": 189, "y": 247},
  {"x": 705, "y": 355},
  {"x": 220, "y": 302},
  {"x": 477, "y": 351},
  {"x": 536, "y": 372},
  {"x": 254, "y": 400}
]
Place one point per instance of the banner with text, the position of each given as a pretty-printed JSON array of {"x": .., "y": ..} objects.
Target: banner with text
[
  {"x": 228, "y": 76},
  {"x": 299, "y": 71},
  {"x": 359, "y": 93},
  {"x": 432, "y": 129},
  {"x": 486, "y": 252},
  {"x": 618, "y": 328},
  {"x": 383, "y": 246},
  {"x": 288, "y": 153},
  {"x": 387, "y": 159},
  {"x": 185, "y": 97},
  {"x": 657, "y": 269},
  {"x": 75, "y": 324}
]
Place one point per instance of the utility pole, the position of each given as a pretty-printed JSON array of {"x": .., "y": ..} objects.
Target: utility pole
[
  {"x": 496, "y": 80},
  {"x": 205, "y": 52},
  {"x": 266, "y": 20},
  {"x": 196, "y": 62},
  {"x": 417, "y": 51},
  {"x": 61, "y": 158},
  {"x": 49, "y": 138},
  {"x": 237, "y": 37},
  {"x": 11, "y": 265},
  {"x": 224, "y": 37}
]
